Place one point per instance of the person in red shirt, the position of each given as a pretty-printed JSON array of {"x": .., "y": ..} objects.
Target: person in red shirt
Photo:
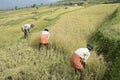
[
  {"x": 44, "y": 37},
  {"x": 79, "y": 59}
]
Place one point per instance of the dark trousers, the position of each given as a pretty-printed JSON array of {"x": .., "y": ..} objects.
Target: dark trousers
[
  {"x": 47, "y": 45},
  {"x": 81, "y": 71},
  {"x": 25, "y": 34}
]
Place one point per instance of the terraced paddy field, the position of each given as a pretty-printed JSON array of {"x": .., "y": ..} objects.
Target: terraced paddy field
[{"x": 70, "y": 29}]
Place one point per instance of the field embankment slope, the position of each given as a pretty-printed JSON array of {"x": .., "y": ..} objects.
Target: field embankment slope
[
  {"x": 107, "y": 41},
  {"x": 68, "y": 33}
]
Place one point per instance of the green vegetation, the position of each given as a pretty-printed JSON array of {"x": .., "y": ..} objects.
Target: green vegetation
[
  {"x": 107, "y": 40},
  {"x": 103, "y": 1},
  {"x": 88, "y": 1}
]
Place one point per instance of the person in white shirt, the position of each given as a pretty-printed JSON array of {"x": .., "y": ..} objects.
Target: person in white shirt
[
  {"x": 79, "y": 59},
  {"x": 26, "y": 28},
  {"x": 44, "y": 37}
]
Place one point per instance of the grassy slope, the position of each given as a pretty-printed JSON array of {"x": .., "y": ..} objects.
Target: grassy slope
[
  {"x": 27, "y": 63},
  {"x": 108, "y": 36}
]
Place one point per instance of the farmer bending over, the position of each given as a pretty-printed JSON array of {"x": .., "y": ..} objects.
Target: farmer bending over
[
  {"x": 79, "y": 58},
  {"x": 44, "y": 39},
  {"x": 26, "y": 28}
]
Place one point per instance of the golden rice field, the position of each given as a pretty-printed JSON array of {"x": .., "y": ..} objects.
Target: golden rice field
[
  {"x": 74, "y": 29},
  {"x": 11, "y": 21},
  {"x": 20, "y": 59}
]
